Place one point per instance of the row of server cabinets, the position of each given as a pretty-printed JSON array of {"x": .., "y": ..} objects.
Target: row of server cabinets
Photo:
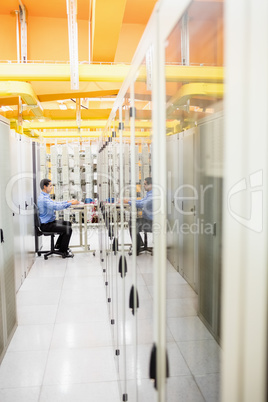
[
  {"x": 194, "y": 226},
  {"x": 17, "y": 248},
  {"x": 194, "y": 212}
]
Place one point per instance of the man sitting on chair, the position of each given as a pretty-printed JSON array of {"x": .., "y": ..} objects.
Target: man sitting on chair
[
  {"x": 146, "y": 204},
  {"x": 47, "y": 209}
]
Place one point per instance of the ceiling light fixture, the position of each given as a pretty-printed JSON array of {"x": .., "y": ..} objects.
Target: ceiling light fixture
[{"x": 6, "y": 108}]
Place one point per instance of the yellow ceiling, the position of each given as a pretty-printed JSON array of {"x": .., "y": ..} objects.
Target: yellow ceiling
[{"x": 115, "y": 29}]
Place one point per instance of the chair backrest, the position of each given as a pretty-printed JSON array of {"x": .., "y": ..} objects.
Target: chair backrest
[{"x": 37, "y": 222}]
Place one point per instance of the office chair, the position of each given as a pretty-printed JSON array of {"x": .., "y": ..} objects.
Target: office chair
[{"x": 39, "y": 232}]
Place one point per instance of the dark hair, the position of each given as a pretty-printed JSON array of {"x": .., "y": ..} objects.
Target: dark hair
[
  {"x": 44, "y": 182},
  {"x": 148, "y": 180}
]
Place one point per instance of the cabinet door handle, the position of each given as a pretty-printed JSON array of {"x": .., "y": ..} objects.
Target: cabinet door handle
[
  {"x": 153, "y": 365},
  {"x": 134, "y": 300},
  {"x": 214, "y": 229},
  {"x": 2, "y": 236}
]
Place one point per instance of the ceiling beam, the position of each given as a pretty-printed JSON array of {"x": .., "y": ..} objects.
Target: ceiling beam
[
  {"x": 84, "y": 134},
  {"x": 91, "y": 94},
  {"x": 107, "y": 19},
  {"x": 91, "y": 124},
  {"x": 104, "y": 73},
  {"x": 61, "y": 72}
]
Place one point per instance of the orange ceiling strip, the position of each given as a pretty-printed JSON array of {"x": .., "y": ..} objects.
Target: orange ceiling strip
[
  {"x": 107, "y": 19},
  {"x": 55, "y": 114}
]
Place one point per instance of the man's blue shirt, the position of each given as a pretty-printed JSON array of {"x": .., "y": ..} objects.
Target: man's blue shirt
[
  {"x": 146, "y": 204},
  {"x": 47, "y": 207}
]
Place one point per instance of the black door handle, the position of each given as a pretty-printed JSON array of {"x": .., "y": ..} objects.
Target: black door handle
[
  {"x": 133, "y": 300},
  {"x": 122, "y": 264}
]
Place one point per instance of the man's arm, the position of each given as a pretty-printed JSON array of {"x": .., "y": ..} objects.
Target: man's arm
[
  {"x": 139, "y": 203},
  {"x": 74, "y": 202}
]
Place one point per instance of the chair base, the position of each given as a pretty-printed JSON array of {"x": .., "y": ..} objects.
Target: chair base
[
  {"x": 143, "y": 249},
  {"x": 53, "y": 252},
  {"x": 52, "y": 247}
]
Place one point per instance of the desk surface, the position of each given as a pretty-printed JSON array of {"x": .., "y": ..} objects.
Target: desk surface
[{"x": 82, "y": 206}]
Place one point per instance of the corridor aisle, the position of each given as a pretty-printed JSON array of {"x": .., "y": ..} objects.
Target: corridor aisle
[{"x": 62, "y": 349}]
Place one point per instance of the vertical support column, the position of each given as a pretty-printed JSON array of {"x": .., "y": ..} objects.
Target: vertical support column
[
  {"x": 134, "y": 231},
  {"x": 18, "y": 35},
  {"x": 185, "y": 43},
  {"x": 73, "y": 42},
  {"x": 159, "y": 178},
  {"x": 78, "y": 113},
  {"x": 121, "y": 129},
  {"x": 23, "y": 32},
  {"x": 244, "y": 371}
]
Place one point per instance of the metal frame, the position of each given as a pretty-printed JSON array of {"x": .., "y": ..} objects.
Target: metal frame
[{"x": 244, "y": 375}]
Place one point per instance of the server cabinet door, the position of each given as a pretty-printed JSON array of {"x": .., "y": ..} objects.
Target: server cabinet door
[
  {"x": 36, "y": 185},
  {"x": 7, "y": 280},
  {"x": 189, "y": 195},
  {"x": 27, "y": 202},
  {"x": 210, "y": 134},
  {"x": 172, "y": 185},
  {"x": 15, "y": 191}
]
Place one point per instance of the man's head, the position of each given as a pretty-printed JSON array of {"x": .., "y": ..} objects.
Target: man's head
[
  {"x": 46, "y": 185},
  {"x": 148, "y": 184}
]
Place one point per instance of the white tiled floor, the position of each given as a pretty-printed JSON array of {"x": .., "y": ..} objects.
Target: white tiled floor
[{"x": 63, "y": 349}]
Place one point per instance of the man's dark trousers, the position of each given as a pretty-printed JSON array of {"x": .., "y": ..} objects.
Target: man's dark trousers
[
  {"x": 65, "y": 230},
  {"x": 142, "y": 224}
]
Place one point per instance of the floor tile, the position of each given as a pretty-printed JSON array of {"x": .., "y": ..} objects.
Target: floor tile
[
  {"x": 41, "y": 284},
  {"x": 181, "y": 307},
  {"x": 144, "y": 331},
  {"x": 184, "y": 389},
  {"x": 34, "y": 315},
  {"x": 177, "y": 291},
  {"x": 76, "y": 335},
  {"x": 29, "y": 394},
  {"x": 82, "y": 313},
  {"x": 188, "y": 328},
  {"x": 210, "y": 386},
  {"x": 84, "y": 269},
  {"x": 75, "y": 366},
  {"x": 23, "y": 369},
  {"x": 72, "y": 296},
  {"x": 173, "y": 278},
  {"x": 31, "y": 337},
  {"x": 38, "y": 297},
  {"x": 202, "y": 357},
  {"x": 82, "y": 283},
  {"x": 99, "y": 392},
  {"x": 44, "y": 270}
]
